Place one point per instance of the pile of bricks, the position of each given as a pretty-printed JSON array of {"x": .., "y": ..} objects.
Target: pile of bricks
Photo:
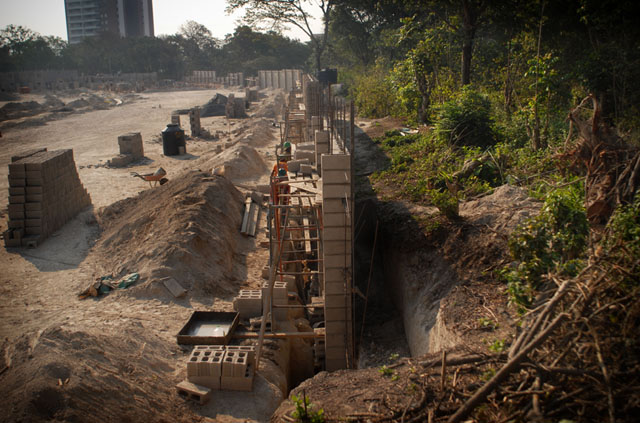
[
  {"x": 218, "y": 367},
  {"x": 44, "y": 193},
  {"x": 194, "y": 121},
  {"x": 131, "y": 149}
]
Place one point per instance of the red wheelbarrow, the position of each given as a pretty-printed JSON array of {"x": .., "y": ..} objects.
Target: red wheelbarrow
[{"x": 155, "y": 178}]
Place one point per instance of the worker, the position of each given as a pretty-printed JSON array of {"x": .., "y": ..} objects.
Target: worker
[{"x": 286, "y": 148}]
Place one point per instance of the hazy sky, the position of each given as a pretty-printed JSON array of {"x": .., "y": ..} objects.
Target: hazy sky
[{"x": 47, "y": 16}]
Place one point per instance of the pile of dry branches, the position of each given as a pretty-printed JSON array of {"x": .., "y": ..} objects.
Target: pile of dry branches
[{"x": 612, "y": 165}]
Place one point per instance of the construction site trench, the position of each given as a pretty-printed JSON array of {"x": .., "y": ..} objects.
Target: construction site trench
[{"x": 105, "y": 309}]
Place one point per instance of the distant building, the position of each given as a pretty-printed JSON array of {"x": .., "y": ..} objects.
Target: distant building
[{"x": 127, "y": 18}]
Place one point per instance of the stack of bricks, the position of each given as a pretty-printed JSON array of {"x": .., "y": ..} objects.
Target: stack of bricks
[
  {"x": 226, "y": 367},
  {"x": 44, "y": 193},
  {"x": 322, "y": 147},
  {"x": 280, "y": 297},
  {"x": 248, "y": 303},
  {"x": 131, "y": 149},
  {"x": 194, "y": 121},
  {"x": 337, "y": 263}
]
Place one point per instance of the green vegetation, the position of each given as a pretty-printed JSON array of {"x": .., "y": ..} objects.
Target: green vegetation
[
  {"x": 305, "y": 412},
  {"x": 173, "y": 56},
  {"x": 553, "y": 241}
]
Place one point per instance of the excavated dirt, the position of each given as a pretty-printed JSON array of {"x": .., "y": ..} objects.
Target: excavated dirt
[
  {"x": 186, "y": 229},
  {"x": 114, "y": 358}
]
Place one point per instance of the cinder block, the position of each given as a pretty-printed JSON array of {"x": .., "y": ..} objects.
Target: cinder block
[
  {"x": 294, "y": 165},
  {"x": 334, "y": 331},
  {"x": 337, "y": 261},
  {"x": 334, "y": 365},
  {"x": 33, "y": 230},
  {"x": 17, "y": 182},
  {"x": 15, "y": 223},
  {"x": 16, "y": 169},
  {"x": 33, "y": 190},
  {"x": 335, "y": 220},
  {"x": 33, "y": 214},
  {"x": 16, "y": 208},
  {"x": 193, "y": 391},
  {"x": 244, "y": 383},
  {"x": 33, "y": 206},
  {"x": 302, "y": 154},
  {"x": 248, "y": 351},
  {"x": 321, "y": 137},
  {"x": 334, "y": 205},
  {"x": 306, "y": 170},
  {"x": 16, "y": 199},
  {"x": 227, "y": 364},
  {"x": 334, "y": 288},
  {"x": 336, "y": 161},
  {"x": 32, "y": 222},
  {"x": 336, "y": 191},
  {"x": 336, "y": 301},
  {"x": 335, "y": 314},
  {"x": 336, "y": 177},
  {"x": 17, "y": 191},
  {"x": 337, "y": 234},
  {"x": 34, "y": 174},
  {"x": 240, "y": 365},
  {"x": 35, "y": 182},
  {"x": 306, "y": 147}
]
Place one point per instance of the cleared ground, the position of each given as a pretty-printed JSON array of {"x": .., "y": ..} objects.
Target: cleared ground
[{"x": 113, "y": 358}]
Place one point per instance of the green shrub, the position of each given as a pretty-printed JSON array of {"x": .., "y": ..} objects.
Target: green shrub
[
  {"x": 622, "y": 241},
  {"x": 304, "y": 412},
  {"x": 446, "y": 202},
  {"x": 466, "y": 120},
  {"x": 373, "y": 94},
  {"x": 552, "y": 241}
]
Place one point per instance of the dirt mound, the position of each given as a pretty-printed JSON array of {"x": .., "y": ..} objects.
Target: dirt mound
[
  {"x": 237, "y": 163},
  {"x": 214, "y": 107},
  {"x": 90, "y": 376},
  {"x": 52, "y": 102},
  {"x": 186, "y": 229},
  {"x": 270, "y": 107},
  {"x": 16, "y": 110}
]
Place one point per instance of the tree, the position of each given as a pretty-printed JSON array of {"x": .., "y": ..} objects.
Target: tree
[{"x": 279, "y": 13}]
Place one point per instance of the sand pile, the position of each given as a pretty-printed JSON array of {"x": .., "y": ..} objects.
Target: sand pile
[
  {"x": 186, "y": 229},
  {"x": 237, "y": 163},
  {"x": 71, "y": 375}
]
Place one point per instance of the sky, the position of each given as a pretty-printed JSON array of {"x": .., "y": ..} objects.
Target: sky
[{"x": 47, "y": 17}]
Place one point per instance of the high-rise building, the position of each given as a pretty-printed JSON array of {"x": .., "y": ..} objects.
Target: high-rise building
[{"x": 127, "y": 18}]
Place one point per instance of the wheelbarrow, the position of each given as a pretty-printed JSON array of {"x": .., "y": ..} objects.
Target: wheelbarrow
[{"x": 155, "y": 178}]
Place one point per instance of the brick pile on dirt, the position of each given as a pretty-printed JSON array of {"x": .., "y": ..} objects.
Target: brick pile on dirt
[{"x": 187, "y": 229}]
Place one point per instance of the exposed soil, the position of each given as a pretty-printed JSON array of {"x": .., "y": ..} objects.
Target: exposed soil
[{"x": 115, "y": 357}]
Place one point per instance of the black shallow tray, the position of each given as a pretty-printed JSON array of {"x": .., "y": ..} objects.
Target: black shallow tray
[{"x": 202, "y": 327}]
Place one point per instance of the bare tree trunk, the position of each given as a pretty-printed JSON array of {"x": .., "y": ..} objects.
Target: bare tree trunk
[
  {"x": 469, "y": 25},
  {"x": 425, "y": 93}
]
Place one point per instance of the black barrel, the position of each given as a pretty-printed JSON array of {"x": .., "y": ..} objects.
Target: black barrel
[
  {"x": 328, "y": 76},
  {"x": 172, "y": 138}
]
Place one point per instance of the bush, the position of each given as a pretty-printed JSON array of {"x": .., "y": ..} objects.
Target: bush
[
  {"x": 466, "y": 120},
  {"x": 372, "y": 93},
  {"x": 622, "y": 241},
  {"x": 552, "y": 241}
]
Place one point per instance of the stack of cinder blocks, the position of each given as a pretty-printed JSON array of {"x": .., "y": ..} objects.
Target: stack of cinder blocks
[
  {"x": 337, "y": 237},
  {"x": 194, "y": 121},
  {"x": 280, "y": 297},
  {"x": 251, "y": 94},
  {"x": 131, "y": 149},
  {"x": 44, "y": 193},
  {"x": 248, "y": 303},
  {"x": 222, "y": 367}
]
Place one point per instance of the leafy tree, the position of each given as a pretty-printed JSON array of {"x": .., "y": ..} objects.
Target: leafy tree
[{"x": 280, "y": 13}]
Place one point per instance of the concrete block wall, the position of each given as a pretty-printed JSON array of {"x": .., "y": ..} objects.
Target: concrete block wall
[
  {"x": 305, "y": 154},
  {"x": 194, "y": 121},
  {"x": 44, "y": 193},
  {"x": 224, "y": 367},
  {"x": 285, "y": 79},
  {"x": 248, "y": 303},
  {"x": 337, "y": 259}
]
